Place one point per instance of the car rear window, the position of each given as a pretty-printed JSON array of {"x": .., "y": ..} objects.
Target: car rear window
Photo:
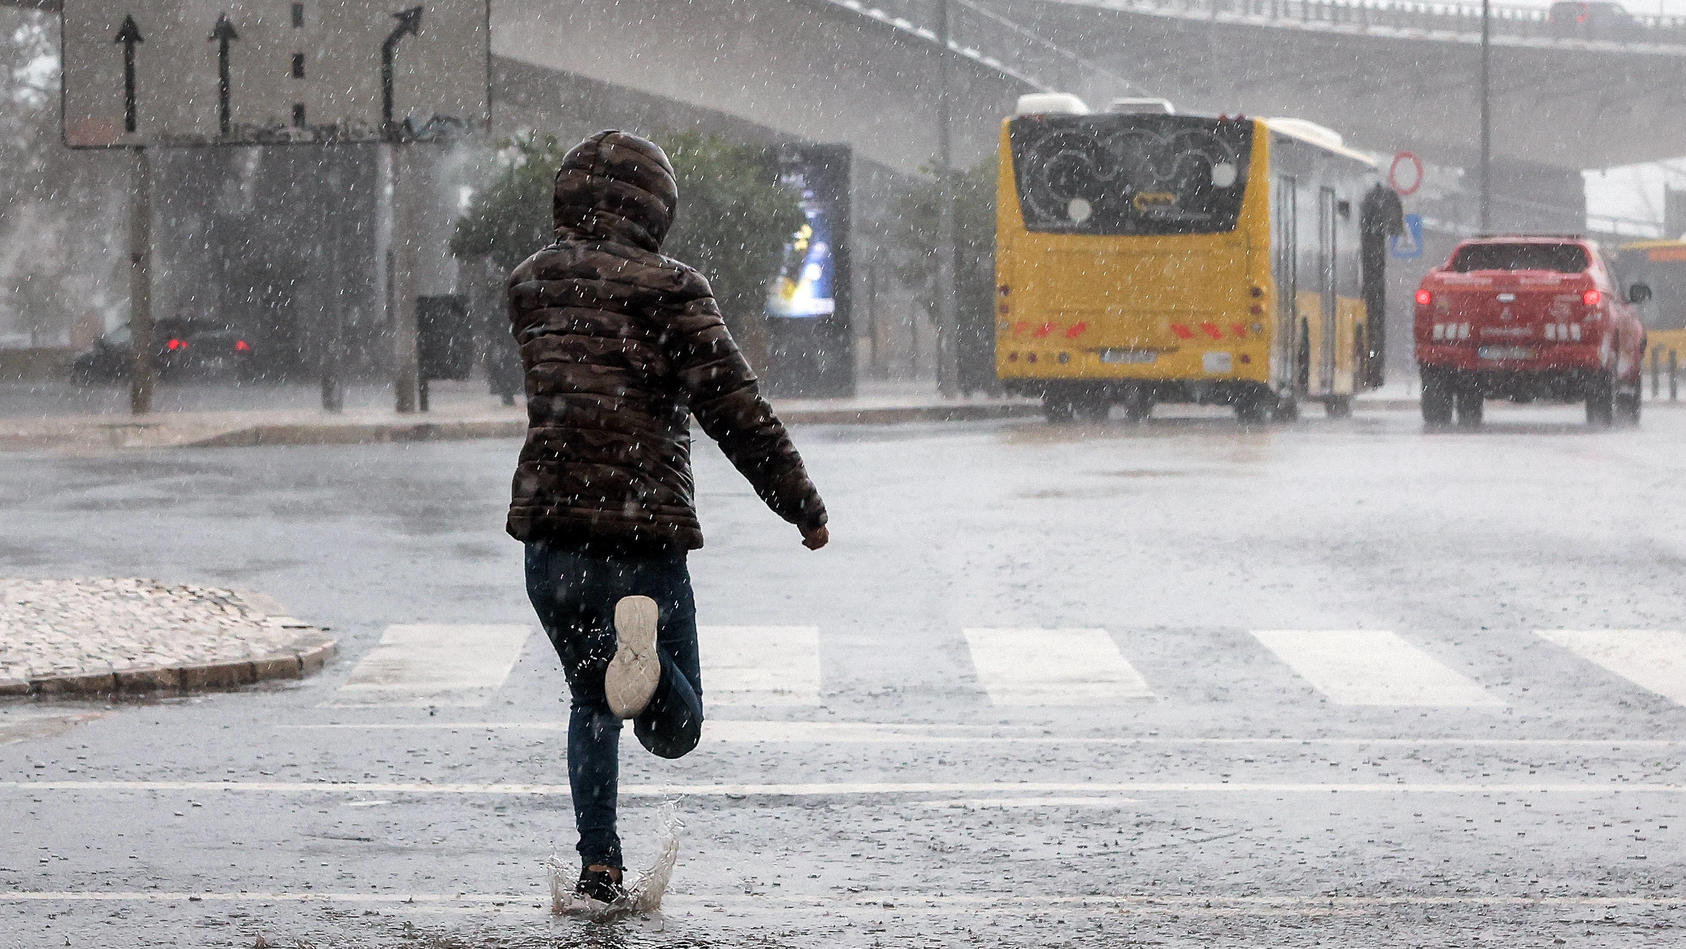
[{"x": 1563, "y": 258}]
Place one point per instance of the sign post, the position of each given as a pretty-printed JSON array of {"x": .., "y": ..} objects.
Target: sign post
[
  {"x": 140, "y": 284},
  {"x": 181, "y": 73}
]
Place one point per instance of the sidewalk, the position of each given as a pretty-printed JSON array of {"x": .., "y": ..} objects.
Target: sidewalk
[
  {"x": 457, "y": 410},
  {"x": 131, "y": 636}
]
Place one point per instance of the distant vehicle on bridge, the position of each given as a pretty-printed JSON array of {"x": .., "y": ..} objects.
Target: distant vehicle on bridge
[
  {"x": 1529, "y": 318},
  {"x": 1144, "y": 256},
  {"x": 1593, "y": 21}
]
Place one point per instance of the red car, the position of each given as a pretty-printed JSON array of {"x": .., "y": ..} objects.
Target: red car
[{"x": 1525, "y": 318}]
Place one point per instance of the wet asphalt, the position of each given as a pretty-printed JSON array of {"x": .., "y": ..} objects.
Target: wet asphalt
[{"x": 1237, "y": 805}]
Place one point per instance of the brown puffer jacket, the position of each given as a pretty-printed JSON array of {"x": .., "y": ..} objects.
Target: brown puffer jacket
[{"x": 621, "y": 345}]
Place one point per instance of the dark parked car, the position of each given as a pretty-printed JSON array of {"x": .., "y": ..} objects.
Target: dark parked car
[
  {"x": 181, "y": 348},
  {"x": 1594, "y": 21}
]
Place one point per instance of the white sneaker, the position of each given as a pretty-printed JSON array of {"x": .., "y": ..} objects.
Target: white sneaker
[{"x": 633, "y": 673}]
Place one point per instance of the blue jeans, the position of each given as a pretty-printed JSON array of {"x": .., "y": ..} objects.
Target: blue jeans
[{"x": 574, "y": 594}]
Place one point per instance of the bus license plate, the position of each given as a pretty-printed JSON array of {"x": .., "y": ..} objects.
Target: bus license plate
[
  {"x": 1128, "y": 355},
  {"x": 1505, "y": 352}
]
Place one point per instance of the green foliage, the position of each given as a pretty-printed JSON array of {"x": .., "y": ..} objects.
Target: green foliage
[
  {"x": 60, "y": 211},
  {"x": 509, "y": 217},
  {"x": 915, "y": 242},
  {"x": 732, "y": 225}
]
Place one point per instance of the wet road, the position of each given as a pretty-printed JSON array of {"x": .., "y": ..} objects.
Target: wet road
[{"x": 1343, "y": 683}]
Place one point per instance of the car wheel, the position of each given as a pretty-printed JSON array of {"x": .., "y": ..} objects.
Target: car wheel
[
  {"x": 1601, "y": 401},
  {"x": 1471, "y": 404},
  {"x": 1628, "y": 405},
  {"x": 1437, "y": 398}
]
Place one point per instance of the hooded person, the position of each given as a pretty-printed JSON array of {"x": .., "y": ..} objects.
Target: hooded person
[{"x": 620, "y": 347}]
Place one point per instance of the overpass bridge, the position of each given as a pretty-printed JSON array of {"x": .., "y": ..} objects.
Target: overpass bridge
[{"x": 1388, "y": 75}]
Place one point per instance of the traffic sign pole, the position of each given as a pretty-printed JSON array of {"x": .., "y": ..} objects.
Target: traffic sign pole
[{"x": 140, "y": 284}]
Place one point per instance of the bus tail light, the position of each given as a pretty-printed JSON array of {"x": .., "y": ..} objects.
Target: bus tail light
[
  {"x": 1424, "y": 298},
  {"x": 1592, "y": 297}
]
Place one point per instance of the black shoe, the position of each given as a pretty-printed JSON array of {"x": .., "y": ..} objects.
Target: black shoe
[{"x": 599, "y": 885}]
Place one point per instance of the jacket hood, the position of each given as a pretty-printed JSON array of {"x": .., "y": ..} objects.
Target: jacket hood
[{"x": 616, "y": 186}]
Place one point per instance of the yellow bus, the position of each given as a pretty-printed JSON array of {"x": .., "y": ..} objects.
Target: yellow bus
[
  {"x": 1660, "y": 265},
  {"x": 1144, "y": 256}
]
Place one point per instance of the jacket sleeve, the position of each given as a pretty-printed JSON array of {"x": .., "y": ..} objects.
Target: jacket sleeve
[{"x": 727, "y": 403}]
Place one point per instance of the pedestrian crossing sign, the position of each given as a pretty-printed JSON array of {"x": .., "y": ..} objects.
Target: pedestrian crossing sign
[{"x": 1407, "y": 244}]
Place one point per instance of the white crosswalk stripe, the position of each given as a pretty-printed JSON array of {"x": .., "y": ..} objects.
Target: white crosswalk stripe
[
  {"x": 1371, "y": 667},
  {"x": 1023, "y": 666},
  {"x": 464, "y": 665},
  {"x": 1653, "y": 659},
  {"x": 434, "y": 664},
  {"x": 760, "y": 665}
]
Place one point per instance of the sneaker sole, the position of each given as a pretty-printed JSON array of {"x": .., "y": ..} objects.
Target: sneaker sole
[{"x": 632, "y": 676}]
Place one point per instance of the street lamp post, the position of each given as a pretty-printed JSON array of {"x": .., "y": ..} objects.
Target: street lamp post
[
  {"x": 1486, "y": 116},
  {"x": 948, "y": 359}
]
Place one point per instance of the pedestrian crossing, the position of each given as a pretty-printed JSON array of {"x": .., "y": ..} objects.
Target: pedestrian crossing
[
  {"x": 1025, "y": 666},
  {"x": 1371, "y": 667},
  {"x": 778, "y": 666}
]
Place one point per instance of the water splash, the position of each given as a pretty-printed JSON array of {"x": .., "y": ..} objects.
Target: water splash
[{"x": 644, "y": 894}]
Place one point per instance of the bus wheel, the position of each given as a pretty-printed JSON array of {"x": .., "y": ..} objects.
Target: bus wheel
[
  {"x": 1058, "y": 409},
  {"x": 1286, "y": 410},
  {"x": 1601, "y": 401},
  {"x": 1338, "y": 406},
  {"x": 1437, "y": 398},
  {"x": 1138, "y": 405},
  {"x": 1092, "y": 408},
  {"x": 1253, "y": 409},
  {"x": 1470, "y": 403}
]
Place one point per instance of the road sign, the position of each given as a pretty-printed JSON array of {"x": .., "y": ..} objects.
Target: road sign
[
  {"x": 1412, "y": 178},
  {"x": 1408, "y": 245},
  {"x": 269, "y": 72}
]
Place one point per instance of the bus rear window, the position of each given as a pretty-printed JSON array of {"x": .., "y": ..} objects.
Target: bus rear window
[
  {"x": 1130, "y": 174},
  {"x": 1562, "y": 258}
]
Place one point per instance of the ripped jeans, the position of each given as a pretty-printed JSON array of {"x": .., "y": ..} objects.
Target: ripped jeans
[{"x": 574, "y": 594}]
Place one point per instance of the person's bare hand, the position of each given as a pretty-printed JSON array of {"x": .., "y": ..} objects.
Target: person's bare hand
[{"x": 816, "y": 537}]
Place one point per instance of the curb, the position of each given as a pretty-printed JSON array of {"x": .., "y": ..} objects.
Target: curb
[
  {"x": 427, "y": 431},
  {"x": 309, "y": 651},
  {"x": 306, "y": 656}
]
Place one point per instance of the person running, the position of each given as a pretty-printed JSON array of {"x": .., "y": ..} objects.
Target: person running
[{"x": 620, "y": 346}]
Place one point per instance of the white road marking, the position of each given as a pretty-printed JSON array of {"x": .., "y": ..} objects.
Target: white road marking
[
  {"x": 862, "y": 788},
  {"x": 434, "y": 665},
  {"x": 760, "y": 665},
  {"x": 1653, "y": 659},
  {"x": 923, "y": 733},
  {"x": 1371, "y": 667},
  {"x": 1034, "y": 667},
  {"x": 897, "y": 902}
]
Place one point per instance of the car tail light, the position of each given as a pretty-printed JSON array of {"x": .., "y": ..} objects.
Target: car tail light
[
  {"x": 1592, "y": 297},
  {"x": 1424, "y": 298},
  {"x": 241, "y": 346},
  {"x": 176, "y": 344}
]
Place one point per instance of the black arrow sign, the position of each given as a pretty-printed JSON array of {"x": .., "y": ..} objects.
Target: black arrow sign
[
  {"x": 223, "y": 34},
  {"x": 409, "y": 24},
  {"x": 129, "y": 34}
]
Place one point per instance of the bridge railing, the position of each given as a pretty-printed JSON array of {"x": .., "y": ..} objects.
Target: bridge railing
[{"x": 1428, "y": 18}]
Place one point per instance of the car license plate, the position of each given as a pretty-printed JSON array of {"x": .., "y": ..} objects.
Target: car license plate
[
  {"x": 1128, "y": 355},
  {"x": 1505, "y": 352}
]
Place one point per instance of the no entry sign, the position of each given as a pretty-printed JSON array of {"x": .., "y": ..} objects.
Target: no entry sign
[
  {"x": 243, "y": 72},
  {"x": 1405, "y": 175}
]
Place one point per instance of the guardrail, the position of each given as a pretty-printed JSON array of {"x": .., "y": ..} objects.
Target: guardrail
[{"x": 1444, "y": 20}]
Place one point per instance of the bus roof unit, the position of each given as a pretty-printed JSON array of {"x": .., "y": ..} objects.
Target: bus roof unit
[{"x": 1044, "y": 103}]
